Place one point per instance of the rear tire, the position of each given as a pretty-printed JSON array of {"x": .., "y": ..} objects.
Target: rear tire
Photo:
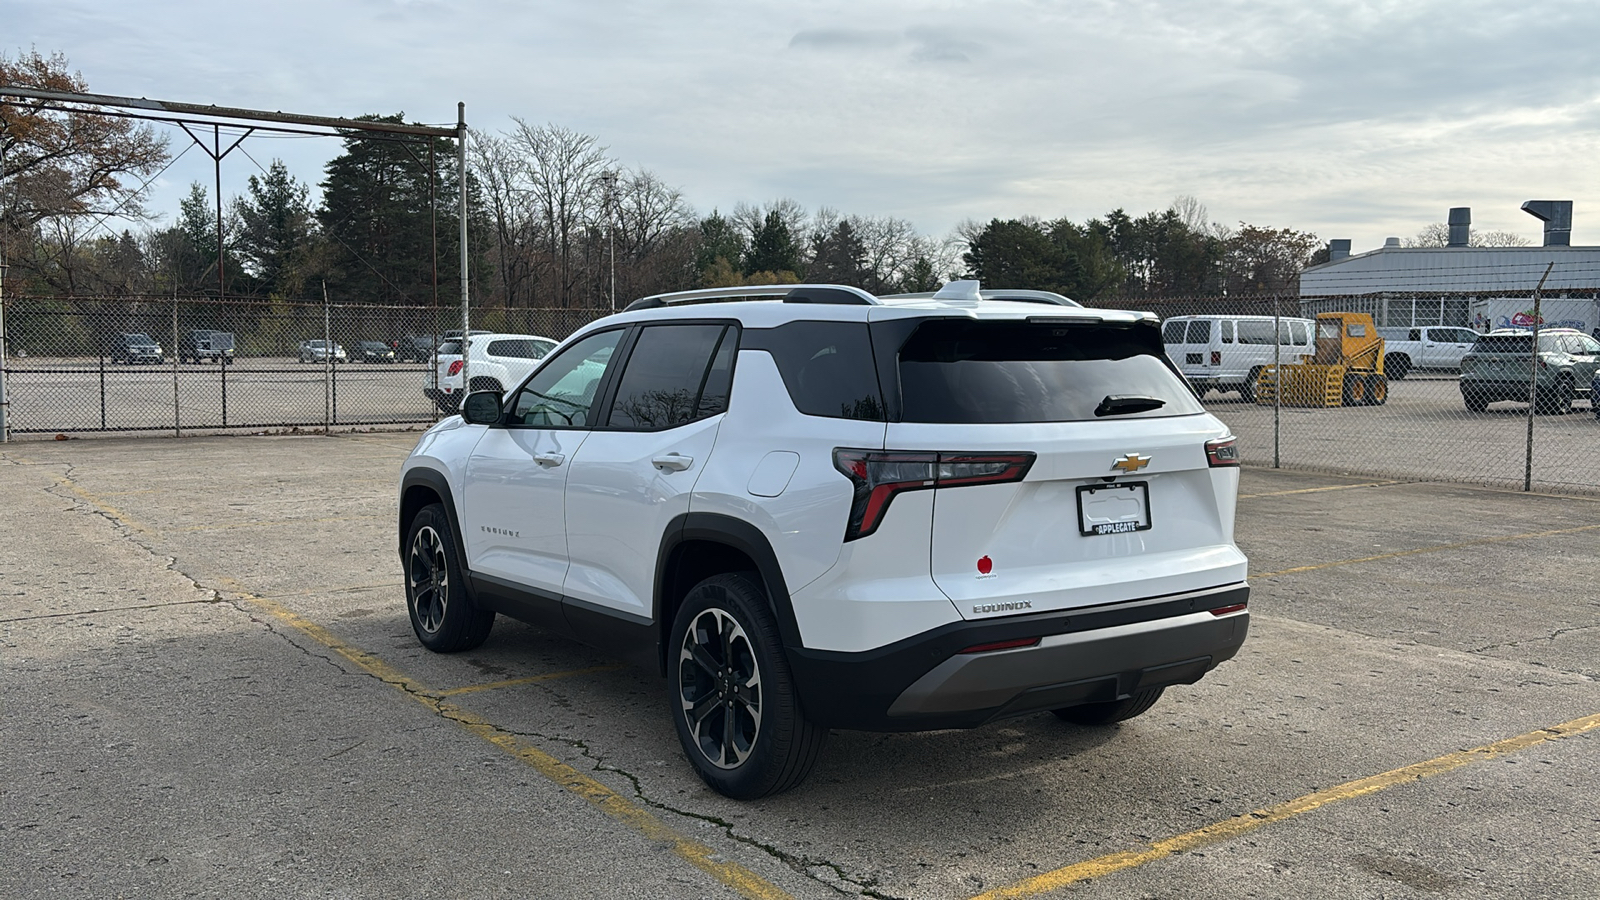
[
  {"x": 1474, "y": 400},
  {"x": 1112, "y": 712},
  {"x": 1247, "y": 391},
  {"x": 1377, "y": 390},
  {"x": 1397, "y": 366},
  {"x": 442, "y": 616},
  {"x": 1556, "y": 401},
  {"x": 732, "y": 695}
]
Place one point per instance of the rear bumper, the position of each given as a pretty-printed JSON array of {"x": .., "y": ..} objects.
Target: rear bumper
[{"x": 1084, "y": 656}]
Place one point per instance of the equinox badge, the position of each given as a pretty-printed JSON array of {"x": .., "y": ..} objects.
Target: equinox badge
[{"x": 1131, "y": 463}]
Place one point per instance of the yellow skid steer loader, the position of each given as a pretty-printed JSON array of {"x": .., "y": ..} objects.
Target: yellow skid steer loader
[{"x": 1346, "y": 370}]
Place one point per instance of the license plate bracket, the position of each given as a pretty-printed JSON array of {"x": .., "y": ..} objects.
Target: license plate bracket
[{"x": 1119, "y": 507}]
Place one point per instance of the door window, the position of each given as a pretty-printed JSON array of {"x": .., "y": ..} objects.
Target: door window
[
  {"x": 1227, "y": 331},
  {"x": 665, "y": 378},
  {"x": 561, "y": 393}
]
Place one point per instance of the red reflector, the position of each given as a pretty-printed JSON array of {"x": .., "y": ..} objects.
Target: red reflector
[
  {"x": 1224, "y": 610},
  {"x": 455, "y": 368},
  {"x": 1002, "y": 645},
  {"x": 1216, "y": 357}
]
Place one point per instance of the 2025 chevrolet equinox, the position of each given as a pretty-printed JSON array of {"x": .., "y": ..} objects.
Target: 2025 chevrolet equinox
[{"x": 810, "y": 507}]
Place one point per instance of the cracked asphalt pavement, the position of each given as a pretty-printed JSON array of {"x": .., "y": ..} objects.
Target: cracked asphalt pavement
[{"x": 211, "y": 689}]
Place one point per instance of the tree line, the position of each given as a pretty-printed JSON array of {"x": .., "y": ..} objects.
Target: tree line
[{"x": 554, "y": 220}]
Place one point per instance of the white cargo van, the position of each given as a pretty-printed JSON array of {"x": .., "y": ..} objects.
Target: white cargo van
[{"x": 1226, "y": 353}]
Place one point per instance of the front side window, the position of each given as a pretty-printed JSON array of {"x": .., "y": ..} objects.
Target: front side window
[
  {"x": 665, "y": 377},
  {"x": 1300, "y": 333},
  {"x": 1227, "y": 331},
  {"x": 561, "y": 393}
]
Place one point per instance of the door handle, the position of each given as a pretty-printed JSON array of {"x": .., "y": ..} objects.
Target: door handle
[
  {"x": 674, "y": 461},
  {"x": 549, "y": 459}
]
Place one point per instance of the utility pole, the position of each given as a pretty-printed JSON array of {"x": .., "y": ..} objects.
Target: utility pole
[
  {"x": 5, "y": 404},
  {"x": 609, "y": 179},
  {"x": 461, "y": 170}
]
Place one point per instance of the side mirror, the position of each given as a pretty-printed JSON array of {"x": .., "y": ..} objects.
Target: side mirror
[{"x": 481, "y": 408}]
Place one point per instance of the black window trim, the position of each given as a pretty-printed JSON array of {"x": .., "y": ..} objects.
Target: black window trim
[
  {"x": 607, "y": 395},
  {"x": 623, "y": 344}
]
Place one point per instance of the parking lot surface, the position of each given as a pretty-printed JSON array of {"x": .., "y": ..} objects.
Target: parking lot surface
[{"x": 212, "y": 689}]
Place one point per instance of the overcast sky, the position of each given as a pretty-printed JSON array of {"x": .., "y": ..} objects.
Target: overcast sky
[{"x": 1348, "y": 119}]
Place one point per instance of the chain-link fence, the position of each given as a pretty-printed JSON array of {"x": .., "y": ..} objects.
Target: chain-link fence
[
  {"x": 165, "y": 364},
  {"x": 153, "y": 364}
]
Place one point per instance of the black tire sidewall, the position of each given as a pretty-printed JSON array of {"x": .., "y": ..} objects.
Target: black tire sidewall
[
  {"x": 464, "y": 626},
  {"x": 769, "y": 768}
]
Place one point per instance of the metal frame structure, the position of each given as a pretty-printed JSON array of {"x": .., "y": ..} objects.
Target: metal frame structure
[{"x": 216, "y": 118}]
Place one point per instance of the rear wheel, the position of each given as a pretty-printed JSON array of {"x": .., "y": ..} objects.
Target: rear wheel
[
  {"x": 1557, "y": 399},
  {"x": 1377, "y": 390},
  {"x": 444, "y": 620},
  {"x": 1397, "y": 366},
  {"x": 1114, "y": 711},
  {"x": 1247, "y": 391},
  {"x": 1355, "y": 390},
  {"x": 1474, "y": 399},
  {"x": 732, "y": 696}
]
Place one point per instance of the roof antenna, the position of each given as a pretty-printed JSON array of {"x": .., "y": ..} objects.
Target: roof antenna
[{"x": 959, "y": 290}]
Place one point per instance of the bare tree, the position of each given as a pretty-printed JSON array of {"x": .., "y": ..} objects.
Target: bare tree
[{"x": 561, "y": 171}]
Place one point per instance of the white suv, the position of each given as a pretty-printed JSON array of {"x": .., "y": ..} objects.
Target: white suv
[
  {"x": 842, "y": 511},
  {"x": 494, "y": 362}
]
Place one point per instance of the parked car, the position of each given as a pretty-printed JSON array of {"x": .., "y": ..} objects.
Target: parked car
[
  {"x": 374, "y": 352},
  {"x": 495, "y": 362},
  {"x": 1498, "y": 365},
  {"x": 414, "y": 348},
  {"x": 1227, "y": 353},
  {"x": 206, "y": 345},
  {"x": 318, "y": 351},
  {"x": 134, "y": 349},
  {"x": 1436, "y": 347},
  {"x": 841, "y": 511}
]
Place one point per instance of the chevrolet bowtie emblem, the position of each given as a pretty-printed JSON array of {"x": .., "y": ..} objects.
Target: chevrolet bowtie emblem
[{"x": 1131, "y": 463}]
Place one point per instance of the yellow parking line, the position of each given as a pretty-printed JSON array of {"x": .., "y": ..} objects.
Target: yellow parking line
[
  {"x": 1437, "y": 548},
  {"x": 1318, "y": 490},
  {"x": 515, "y": 682},
  {"x": 129, "y": 493},
  {"x": 608, "y": 801},
  {"x": 95, "y": 501},
  {"x": 1241, "y": 825}
]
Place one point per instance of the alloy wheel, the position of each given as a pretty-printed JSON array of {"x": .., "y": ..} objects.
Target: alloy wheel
[
  {"x": 428, "y": 579},
  {"x": 719, "y": 687}
]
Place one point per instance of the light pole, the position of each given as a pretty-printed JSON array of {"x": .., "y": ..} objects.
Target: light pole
[{"x": 609, "y": 180}]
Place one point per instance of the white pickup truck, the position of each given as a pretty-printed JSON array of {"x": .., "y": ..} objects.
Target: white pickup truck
[
  {"x": 499, "y": 362},
  {"x": 1424, "y": 347}
]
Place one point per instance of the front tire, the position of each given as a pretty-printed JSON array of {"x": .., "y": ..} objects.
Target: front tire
[
  {"x": 1247, "y": 391},
  {"x": 442, "y": 616},
  {"x": 732, "y": 695},
  {"x": 1556, "y": 401},
  {"x": 1475, "y": 400},
  {"x": 1112, "y": 711},
  {"x": 1355, "y": 390},
  {"x": 1377, "y": 390},
  {"x": 1397, "y": 365}
]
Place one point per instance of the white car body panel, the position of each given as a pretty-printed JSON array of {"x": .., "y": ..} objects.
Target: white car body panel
[
  {"x": 618, "y": 505},
  {"x": 513, "y": 505}
]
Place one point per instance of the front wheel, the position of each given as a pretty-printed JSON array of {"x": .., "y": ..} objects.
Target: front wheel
[
  {"x": 1112, "y": 711},
  {"x": 1474, "y": 399},
  {"x": 732, "y": 696},
  {"x": 1355, "y": 390},
  {"x": 444, "y": 620},
  {"x": 1247, "y": 391},
  {"x": 1377, "y": 390},
  {"x": 1397, "y": 365}
]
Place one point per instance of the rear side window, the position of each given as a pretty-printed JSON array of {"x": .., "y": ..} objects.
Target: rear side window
[
  {"x": 828, "y": 368},
  {"x": 965, "y": 372},
  {"x": 1199, "y": 331},
  {"x": 520, "y": 348},
  {"x": 1255, "y": 332},
  {"x": 1299, "y": 333},
  {"x": 1227, "y": 331},
  {"x": 449, "y": 348},
  {"x": 665, "y": 374}
]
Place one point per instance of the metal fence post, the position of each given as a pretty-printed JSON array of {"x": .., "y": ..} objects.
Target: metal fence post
[
  {"x": 102, "y": 355},
  {"x": 327, "y": 364},
  {"x": 177, "y": 430},
  {"x": 1277, "y": 376},
  {"x": 1533, "y": 382},
  {"x": 5, "y": 401}
]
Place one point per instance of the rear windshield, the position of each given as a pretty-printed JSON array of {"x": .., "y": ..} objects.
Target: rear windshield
[
  {"x": 449, "y": 347},
  {"x": 1504, "y": 343},
  {"x": 965, "y": 372}
]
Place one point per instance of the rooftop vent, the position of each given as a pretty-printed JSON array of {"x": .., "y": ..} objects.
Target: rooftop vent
[
  {"x": 1460, "y": 226},
  {"x": 1391, "y": 243},
  {"x": 1557, "y": 218},
  {"x": 1339, "y": 249}
]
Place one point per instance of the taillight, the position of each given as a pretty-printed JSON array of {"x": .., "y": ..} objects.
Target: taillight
[
  {"x": 878, "y": 475},
  {"x": 1227, "y": 610},
  {"x": 455, "y": 368},
  {"x": 1222, "y": 452},
  {"x": 1216, "y": 357}
]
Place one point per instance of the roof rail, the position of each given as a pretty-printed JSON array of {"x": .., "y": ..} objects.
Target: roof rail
[
  {"x": 964, "y": 290},
  {"x": 788, "y": 293}
]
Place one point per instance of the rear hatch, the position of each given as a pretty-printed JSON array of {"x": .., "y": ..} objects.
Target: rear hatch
[
  {"x": 447, "y": 364},
  {"x": 1121, "y": 500}
]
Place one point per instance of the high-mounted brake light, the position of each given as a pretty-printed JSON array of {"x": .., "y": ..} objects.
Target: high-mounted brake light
[
  {"x": 878, "y": 475},
  {"x": 1222, "y": 452},
  {"x": 455, "y": 368}
]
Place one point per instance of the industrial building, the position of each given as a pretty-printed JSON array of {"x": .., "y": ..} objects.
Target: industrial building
[{"x": 1457, "y": 284}]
